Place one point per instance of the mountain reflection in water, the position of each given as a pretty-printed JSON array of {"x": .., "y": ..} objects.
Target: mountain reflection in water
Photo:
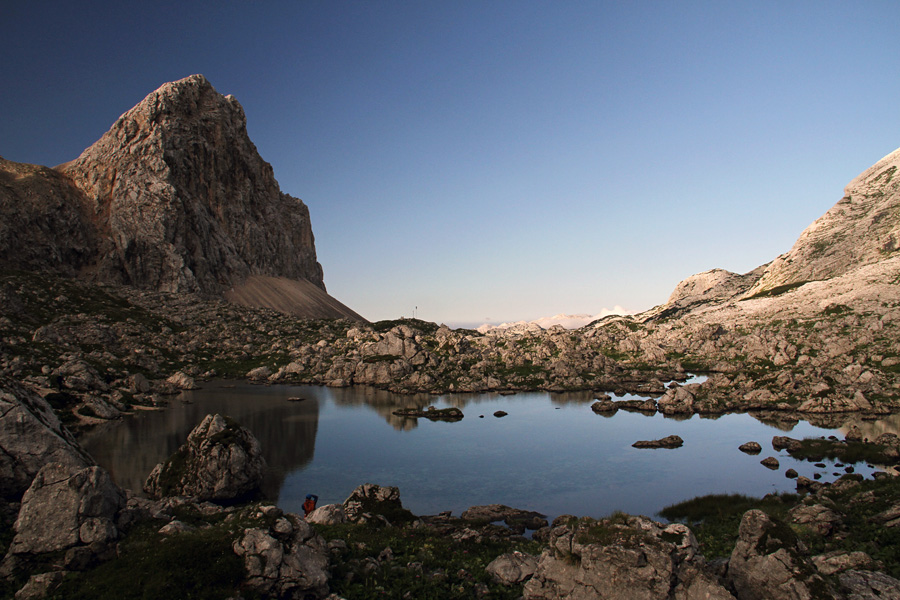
[{"x": 551, "y": 453}]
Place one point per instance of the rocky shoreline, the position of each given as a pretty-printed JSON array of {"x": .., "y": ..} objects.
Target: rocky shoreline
[
  {"x": 77, "y": 534},
  {"x": 96, "y": 351}
]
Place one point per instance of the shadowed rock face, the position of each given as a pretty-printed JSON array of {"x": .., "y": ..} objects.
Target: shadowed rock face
[
  {"x": 184, "y": 202},
  {"x": 221, "y": 461},
  {"x": 43, "y": 221},
  {"x": 31, "y": 436}
]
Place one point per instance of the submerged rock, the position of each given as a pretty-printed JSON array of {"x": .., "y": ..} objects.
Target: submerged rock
[{"x": 221, "y": 461}]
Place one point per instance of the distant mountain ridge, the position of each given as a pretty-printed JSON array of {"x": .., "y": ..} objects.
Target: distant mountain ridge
[
  {"x": 850, "y": 252},
  {"x": 174, "y": 197}
]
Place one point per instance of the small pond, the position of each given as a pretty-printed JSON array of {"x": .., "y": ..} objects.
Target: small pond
[{"x": 551, "y": 453}]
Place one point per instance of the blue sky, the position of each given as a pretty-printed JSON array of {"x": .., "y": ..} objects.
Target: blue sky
[{"x": 497, "y": 160}]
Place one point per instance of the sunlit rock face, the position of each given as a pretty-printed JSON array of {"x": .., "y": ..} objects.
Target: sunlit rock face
[
  {"x": 861, "y": 229},
  {"x": 184, "y": 202}
]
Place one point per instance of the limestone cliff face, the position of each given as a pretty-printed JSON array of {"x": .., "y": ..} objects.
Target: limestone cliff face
[
  {"x": 42, "y": 220},
  {"x": 852, "y": 246},
  {"x": 183, "y": 202},
  {"x": 863, "y": 228}
]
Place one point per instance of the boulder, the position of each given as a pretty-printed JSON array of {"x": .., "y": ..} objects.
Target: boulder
[
  {"x": 770, "y": 462},
  {"x": 182, "y": 381},
  {"x": 750, "y": 448},
  {"x": 869, "y": 585},
  {"x": 817, "y": 517},
  {"x": 517, "y": 519},
  {"x": 677, "y": 400},
  {"x": 372, "y": 502},
  {"x": 670, "y": 441},
  {"x": 604, "y": 405},
  {"x": 513, "y": 568},
  {"x": 329, "y": 514},
  {"x": 221, "y": 462},
  {"x": 31, "y": 436},
  {"x": 67, "y": 507},
  {"x": 839, "y": 561},
  {"x": 40, "y": 586},
  {"x": 284, "y": 565},
  {"x": 769, "y": 563},
  {"x": 782, "y": 442},
  {"x": 622, "y": 558}
]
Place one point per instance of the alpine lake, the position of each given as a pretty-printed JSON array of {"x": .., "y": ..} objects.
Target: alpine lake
[{"x": 551, "y": 453}]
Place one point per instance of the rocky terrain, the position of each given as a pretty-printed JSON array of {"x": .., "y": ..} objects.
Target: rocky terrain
[
  {"x": 174, "y": 197},
  {"x": 78, "y": 535},
  {"x": 166, "y": 254}
]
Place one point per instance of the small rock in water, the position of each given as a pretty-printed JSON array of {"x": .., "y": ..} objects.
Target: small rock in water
[
  {"x": 750, "y": 448},
  {"x": 500, "y": 413},
  {"x": 770, "y": 463}
]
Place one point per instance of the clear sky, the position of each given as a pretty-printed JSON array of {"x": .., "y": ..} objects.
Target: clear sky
[{"x": 497, "y": 160}]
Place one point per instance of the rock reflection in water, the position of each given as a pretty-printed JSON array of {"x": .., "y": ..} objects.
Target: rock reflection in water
[
  {"x": 130, "y": 448},
  {"x": 551, "y": 453}
]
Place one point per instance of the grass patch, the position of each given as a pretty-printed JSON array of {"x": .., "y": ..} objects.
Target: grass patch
[
  {"x": 197, "y": 565},
  {"x": 715, "y": 518},
  {"x": 423, "y": 563}
]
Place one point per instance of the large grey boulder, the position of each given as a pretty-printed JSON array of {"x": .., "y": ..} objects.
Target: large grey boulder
[
  {"x": 31, "y": 436},
  {"x": 67, "y": 507},
  {"x": 221, "y": 462},
  {"x": 287, "y": 560},
  {"x": 512, "y": 568},
  {"x": 623, "y": 558},
  {"x": 869, "y": 585},
  {"x": 769, "y": 563}
]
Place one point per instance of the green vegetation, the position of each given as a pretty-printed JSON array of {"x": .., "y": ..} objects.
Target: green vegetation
[
  {"x": 816, "y": 449},
  {"x": 423, "y": 326},
  {"x": 196, "y": 565},
  {"x": 715, "y": 518},
  {"x": 423, "y": 563}
]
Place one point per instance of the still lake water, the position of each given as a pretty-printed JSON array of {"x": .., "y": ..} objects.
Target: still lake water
[{"x": 551, "y": 453}]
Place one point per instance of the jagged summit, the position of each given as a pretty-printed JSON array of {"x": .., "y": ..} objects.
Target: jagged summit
[
  {"x": 185, "y": 202},
  {"x": 174, "y": 197}
]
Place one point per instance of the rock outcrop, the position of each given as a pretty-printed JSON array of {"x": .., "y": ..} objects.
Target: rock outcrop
[
  {"x": 68, "y": 508},
  {"x": 627, "y": 558},
  {"x": 44, "y": 221},
  {"x": 174, "y": 197},
  {"x": 370, "y": 502},
  {"x": 285, "y": 560},
  {"x": 184, "y": 201},
  {"x": 770, "y": 563},
  {"x": 221, "y": 461},
  {"x": 31, "y": 436},
  {"x": 863, "y": 228}
]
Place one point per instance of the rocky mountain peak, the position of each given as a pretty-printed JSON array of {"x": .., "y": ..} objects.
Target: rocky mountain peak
[
  {"x": 183, "y": 201},
  {"x": 861, "y": 229}
]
